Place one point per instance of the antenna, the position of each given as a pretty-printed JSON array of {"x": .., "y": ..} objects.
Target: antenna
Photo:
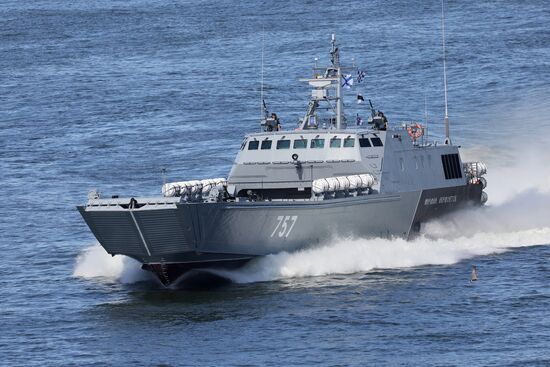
[
  {"x": 262, "y": 104},
  {"x": 426, "y": 115},
  {"x": 335, "y": 59},
  {"x": 446, "y": 119}
]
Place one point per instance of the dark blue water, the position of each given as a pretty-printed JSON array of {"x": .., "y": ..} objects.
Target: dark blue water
[{"x": 105, "y": 94}]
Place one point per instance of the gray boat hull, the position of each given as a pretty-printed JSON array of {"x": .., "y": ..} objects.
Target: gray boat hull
[{"x": 172, "y": 239}]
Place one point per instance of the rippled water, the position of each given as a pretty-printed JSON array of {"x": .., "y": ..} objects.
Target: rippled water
[{"x": 105, "y": 94}]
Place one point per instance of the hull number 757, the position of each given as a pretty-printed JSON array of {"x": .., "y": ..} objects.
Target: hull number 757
[{"x": 285, "y": 224}]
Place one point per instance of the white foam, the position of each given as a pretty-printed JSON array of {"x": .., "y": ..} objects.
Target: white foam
[
  {"x": 348, "y": 256},
  {"x": 95, "y": 262},
  {"x": 512, "y": 172}
]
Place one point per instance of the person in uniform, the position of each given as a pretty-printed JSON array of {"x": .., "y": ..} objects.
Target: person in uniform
[{"x": 277, "y": 122}]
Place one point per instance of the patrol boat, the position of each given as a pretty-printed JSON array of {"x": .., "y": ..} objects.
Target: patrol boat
[{"x": 293, "y": 189}]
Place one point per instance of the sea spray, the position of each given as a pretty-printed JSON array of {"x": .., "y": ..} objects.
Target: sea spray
[
  {"x": 512, "y": 172},
  {"x": 527, "y": 210},
  {"x": 346, "y": 256},
  {"x": 95, "y": 262}
]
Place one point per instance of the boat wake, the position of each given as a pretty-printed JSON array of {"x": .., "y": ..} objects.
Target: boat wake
[
  {"x": 516, "y": 217},
  {"x": 351, "y": 256}
]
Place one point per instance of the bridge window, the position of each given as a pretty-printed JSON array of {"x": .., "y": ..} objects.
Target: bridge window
[
  {"x": 335, "y": 142},
  {"x": 376, "y": 142},
  {"x": 283, "y": 144},
  {"x": 364, "y": 143},
  {"x": 317, "y": 143},
  {"x": 253, "y": 145},
  {"x": 266, "y": 145},
  {"x": 349, "y": 142},
  {"x": 300, "y": 143}
]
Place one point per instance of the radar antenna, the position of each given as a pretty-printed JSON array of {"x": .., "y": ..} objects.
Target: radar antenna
[{"x": 446, "y": 119}]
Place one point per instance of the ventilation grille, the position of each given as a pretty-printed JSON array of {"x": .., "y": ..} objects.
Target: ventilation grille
[
  {"x": 451, "y": 166},
  {"x": 116, "y": 232},
  {"x": 163, "y": 232}
]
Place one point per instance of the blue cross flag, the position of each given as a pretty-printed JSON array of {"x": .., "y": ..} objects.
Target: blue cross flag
[{"x": 348, "y": 81}]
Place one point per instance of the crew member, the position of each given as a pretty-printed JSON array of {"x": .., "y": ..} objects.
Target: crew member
[{"x": 277, "y": 122}]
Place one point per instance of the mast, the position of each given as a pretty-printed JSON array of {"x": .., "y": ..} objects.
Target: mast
[
  {"x": 262, "y": 108},
  {"x": 446, "y": 119},
  {"x": 327, "y": 92},
  {"x": 335, "y": 58}
]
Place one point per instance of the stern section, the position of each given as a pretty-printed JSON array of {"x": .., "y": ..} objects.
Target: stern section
[{"x": 435, "y": 203}]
